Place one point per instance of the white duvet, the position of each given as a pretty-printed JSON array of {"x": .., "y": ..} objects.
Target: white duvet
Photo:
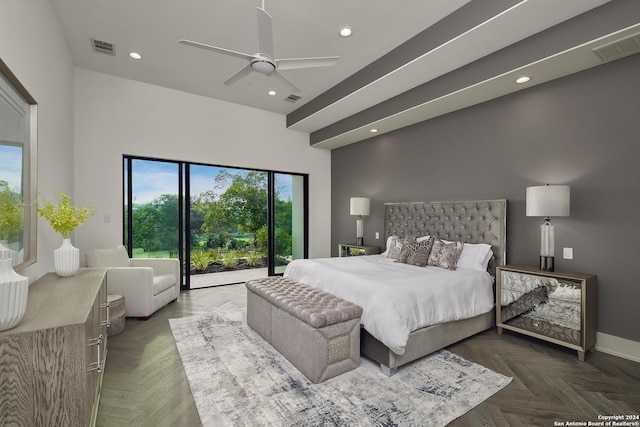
[{"x": 397, "y": 298}]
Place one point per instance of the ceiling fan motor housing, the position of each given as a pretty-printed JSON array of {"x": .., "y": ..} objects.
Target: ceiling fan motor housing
[{"x": 262, "y": 64}]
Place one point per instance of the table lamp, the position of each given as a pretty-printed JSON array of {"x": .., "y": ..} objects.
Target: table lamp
[
  {"x": 360, "y": 207},
  {"x": 547, "y": 201}
]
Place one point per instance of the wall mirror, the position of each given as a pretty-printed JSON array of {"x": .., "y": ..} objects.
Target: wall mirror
[{"x": 18, "y": 171}]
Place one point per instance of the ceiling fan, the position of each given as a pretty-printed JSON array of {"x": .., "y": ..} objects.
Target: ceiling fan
[{"x": 264, "y": 61}]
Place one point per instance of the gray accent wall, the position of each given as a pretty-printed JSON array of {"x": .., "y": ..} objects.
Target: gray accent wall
[{"x": 582, "y": 130}]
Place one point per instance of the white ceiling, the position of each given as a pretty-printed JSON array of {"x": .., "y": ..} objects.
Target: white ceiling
[{"x": 302, "y": 28}]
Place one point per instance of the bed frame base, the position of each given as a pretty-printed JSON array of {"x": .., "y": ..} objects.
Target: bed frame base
[
  {"x": 423, "y": 341},
  {"x": 388, "y": 371}
]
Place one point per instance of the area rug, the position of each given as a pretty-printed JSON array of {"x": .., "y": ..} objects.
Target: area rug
[{"x": 238, "y": 379}]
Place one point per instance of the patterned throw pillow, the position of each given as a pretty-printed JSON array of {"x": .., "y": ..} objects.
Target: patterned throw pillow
[
  {"x": 407, "y": 249},
  {"x": 395, "y": 246},
  {"x": 420, "y": 253},
  {"x": 445, "y": 255}
]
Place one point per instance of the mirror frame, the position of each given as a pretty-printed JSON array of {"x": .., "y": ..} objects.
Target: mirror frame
[{"x": 30, "y": 193}]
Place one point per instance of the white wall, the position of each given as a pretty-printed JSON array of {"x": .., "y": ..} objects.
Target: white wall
[
  {"x": 32, "y": 46},
  {"x": 115, "y": 116}
]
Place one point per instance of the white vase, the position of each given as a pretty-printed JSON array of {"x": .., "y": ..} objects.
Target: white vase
[
  {"x": 5, "y": 252},
  {"x": 66, "y": 259},
  {"x": 13, "y": 295}
]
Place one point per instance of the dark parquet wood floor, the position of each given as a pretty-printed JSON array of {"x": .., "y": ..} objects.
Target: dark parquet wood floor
[{"x": 144, "y": 382}]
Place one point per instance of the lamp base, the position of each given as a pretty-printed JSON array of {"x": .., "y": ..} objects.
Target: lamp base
[{"x": 546, "y": 263}]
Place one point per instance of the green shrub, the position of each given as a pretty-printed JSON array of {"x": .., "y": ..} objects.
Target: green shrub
[
  {"x": 221, "y": 240},
  {"x": 200, "y": 260},
  {"x": 253, "y": 258},
  {"x": 261, "y": 238},
  {"x": 230, "y": 259}
]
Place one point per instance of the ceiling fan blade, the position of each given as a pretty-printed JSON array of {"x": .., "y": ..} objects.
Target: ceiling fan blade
[
  {"x": 265, "y": 33},
  {"x": 216, "y": 49},
  {"x": 285, "y": 81},
  {"x": 237, "y": 76},
  {"x": 294, "y": 63}
]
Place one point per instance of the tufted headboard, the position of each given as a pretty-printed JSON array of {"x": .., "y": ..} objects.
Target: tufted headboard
[{"x": 479, "y": 221}]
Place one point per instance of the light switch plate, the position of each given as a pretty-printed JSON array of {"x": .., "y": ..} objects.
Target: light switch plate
[
  {"x": 567, "y": 253},
  {"x": 377, "y": 235}
]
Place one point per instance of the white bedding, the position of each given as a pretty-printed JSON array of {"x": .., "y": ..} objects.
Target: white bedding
[{"x": 397, "y": 298}]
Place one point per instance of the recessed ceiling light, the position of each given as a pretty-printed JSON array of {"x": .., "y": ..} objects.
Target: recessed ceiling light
[
  {"x": 523, "y": 79},
  {"x": 135, "y": 55},
  {"x": 345, "y": 31},
  {"x": 374, "y": 130},
  {"x": 272, "y": 93}
]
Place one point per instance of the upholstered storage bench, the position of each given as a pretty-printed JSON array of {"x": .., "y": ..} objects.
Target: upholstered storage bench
[{"x": 317, "y": 332}]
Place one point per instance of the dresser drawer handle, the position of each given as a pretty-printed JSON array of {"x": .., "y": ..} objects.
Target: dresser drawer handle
[
  {"x": 107, "y": 322},
  {"x": 96, "y": 366}
]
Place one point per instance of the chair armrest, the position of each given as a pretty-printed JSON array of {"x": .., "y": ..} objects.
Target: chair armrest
[{"x": 136, "y": 285}]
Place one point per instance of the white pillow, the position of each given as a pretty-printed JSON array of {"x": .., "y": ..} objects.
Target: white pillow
[
  {"x": 386, "y": 248},
  {"x": 474, "y": 256},
  {"x": 423, "y": 238}
]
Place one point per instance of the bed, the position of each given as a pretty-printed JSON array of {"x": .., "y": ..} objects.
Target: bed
[{"x": 425, "y": 324}]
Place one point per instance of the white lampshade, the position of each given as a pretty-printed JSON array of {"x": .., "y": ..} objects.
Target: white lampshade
[
  {"x": 548, "y": 200},
  {"x": 359, "y": 206}
]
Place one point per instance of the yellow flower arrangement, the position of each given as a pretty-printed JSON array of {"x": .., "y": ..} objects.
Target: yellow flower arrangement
[{"x": 64, "y": 217}]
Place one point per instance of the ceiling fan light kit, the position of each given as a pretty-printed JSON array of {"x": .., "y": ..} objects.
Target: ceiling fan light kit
[
  {"x": 263, "y": 65},
  {"x": 264, "y": 61}
]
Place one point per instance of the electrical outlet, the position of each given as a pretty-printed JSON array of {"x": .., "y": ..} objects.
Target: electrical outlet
[
  {"x": 377, "y": 235},
  {"x": 567, "y": 253}
]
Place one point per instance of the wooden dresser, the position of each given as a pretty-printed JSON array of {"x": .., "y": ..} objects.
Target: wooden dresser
[{"x": 51, "y": 363}]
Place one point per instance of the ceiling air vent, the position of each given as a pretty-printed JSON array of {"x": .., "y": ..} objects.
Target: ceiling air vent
[
  {"x": 619, "y": 48},
  {"x": 103, "y": 47},
  {"x": 292, "y": 98}
]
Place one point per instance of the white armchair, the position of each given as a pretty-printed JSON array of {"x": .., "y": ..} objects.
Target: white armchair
[{"x": 147, "y": 284}]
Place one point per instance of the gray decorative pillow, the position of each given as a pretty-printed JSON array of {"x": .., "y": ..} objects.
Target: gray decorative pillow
[
  {"x": 395, "y": 246},
  {"x": 407, "y": 249},
  {"x": 445, "y": 255},
  {"x": 420, "y": 253}
]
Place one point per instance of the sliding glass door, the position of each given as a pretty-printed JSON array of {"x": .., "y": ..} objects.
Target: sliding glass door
[
  {"x": 227, "y": 225},
  {"x": 153, "y": 208},
  {"x": 289, "y": 220}
]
